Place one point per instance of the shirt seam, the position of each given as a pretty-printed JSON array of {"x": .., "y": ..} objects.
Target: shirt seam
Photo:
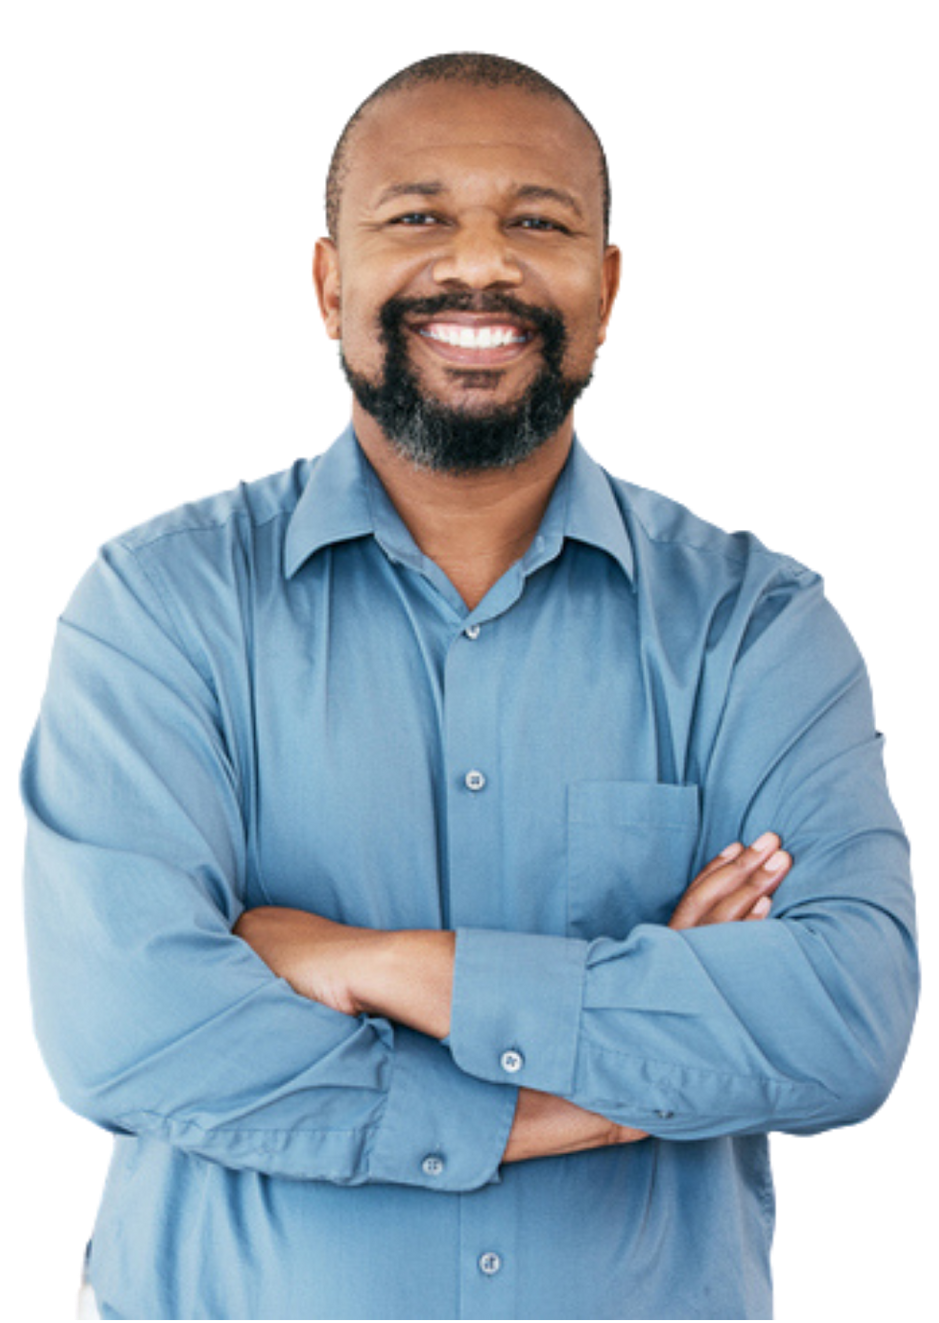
[
  {"x": 199, "y": 661},
  {"x": 755, "y": 548},
  {"x": 375, "y": 1130},
  {"x": 778, "y": 1083},
  {"x": 129, "y": 1117},
  {"x": 783, "y": 562},
  {"x": 130, "y": 544}
]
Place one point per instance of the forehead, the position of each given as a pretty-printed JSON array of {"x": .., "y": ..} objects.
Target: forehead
[{"x": 456, "y": 133}]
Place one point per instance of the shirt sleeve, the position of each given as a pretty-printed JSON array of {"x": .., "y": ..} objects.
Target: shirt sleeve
[
  {"x": 798, "y": 1022},
  {"x": 152, "y": 1016}
]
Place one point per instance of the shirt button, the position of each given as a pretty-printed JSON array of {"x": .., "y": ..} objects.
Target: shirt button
[
  {"x": 490, "y": 1263},
  {"x": 472, "y": 631},
  {"x": 664, "y": 1115},
  {"x": 432, "y": 1165},
  {"x": 474, "y": 780},
  {"x": 512, "y": 1061}
]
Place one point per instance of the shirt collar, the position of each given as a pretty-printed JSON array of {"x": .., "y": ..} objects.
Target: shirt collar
[
  {"x": 335, "y": 506},
  {"x": 593, "y": 512}
]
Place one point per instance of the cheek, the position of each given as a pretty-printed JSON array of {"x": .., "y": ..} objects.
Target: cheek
[
  {"x": 579, "y": 302},
  {"x": 359, "y": 333},
  {"x": 584, "y": 338}
]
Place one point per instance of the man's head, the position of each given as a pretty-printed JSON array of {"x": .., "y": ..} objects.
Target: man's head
[{"x": 467, "y": 273}]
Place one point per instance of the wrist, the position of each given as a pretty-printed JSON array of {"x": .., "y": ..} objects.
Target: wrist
[{"x": 408, "y": 977}]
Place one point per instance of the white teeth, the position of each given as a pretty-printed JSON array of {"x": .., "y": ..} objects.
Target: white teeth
[{"x": 469, "y": 337}]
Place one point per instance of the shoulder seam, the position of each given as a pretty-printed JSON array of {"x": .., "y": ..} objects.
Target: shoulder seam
[
  {"x": 199, "y": 663},
  {"x": 130, "y": 544},
  {"x": 729, "y": 553}
]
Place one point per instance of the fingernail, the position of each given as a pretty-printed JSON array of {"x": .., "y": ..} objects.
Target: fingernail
[
  {"x": 764, "y": 842},
  {"x": 762, "y": 907},
  {"x": 732, "y": 851},
  {"x": 776, "y": 862}
]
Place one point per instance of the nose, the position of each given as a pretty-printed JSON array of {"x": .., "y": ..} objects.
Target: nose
[{"x": 478, "y": 255}]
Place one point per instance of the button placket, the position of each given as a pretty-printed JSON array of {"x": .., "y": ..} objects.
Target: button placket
[{"x": 472, "y": 722}]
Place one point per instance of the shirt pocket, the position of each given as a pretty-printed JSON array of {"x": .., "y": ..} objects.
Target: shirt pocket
[{"x": 630, "y": 848}]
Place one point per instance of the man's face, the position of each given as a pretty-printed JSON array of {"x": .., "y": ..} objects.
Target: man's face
[{"x": 470, "y": 285}]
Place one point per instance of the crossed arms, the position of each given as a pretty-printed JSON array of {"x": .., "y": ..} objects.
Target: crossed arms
[
  {"x": 407, "y": 977},
  {"x": 156, "y": 1016}
]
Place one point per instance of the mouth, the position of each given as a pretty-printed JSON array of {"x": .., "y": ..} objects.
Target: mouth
[{"x": 474, "y": 341}]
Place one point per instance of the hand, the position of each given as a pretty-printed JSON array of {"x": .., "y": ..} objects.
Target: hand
[
  {"x": 736, "y": 886},
  {"x": 320, "y": 959}
]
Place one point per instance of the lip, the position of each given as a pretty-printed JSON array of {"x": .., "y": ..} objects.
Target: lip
[{"x": 437, "y": 335}]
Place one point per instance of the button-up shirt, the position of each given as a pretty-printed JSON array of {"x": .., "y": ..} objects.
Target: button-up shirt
[{"x": 274, "y": 698}]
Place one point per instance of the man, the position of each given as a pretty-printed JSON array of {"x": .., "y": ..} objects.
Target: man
[{"x": 447, "y": 862}]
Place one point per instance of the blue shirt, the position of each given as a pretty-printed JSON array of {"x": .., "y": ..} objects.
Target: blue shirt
[{"x": 272, "y": 697}]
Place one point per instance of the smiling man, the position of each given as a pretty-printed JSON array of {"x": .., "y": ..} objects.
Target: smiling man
[
  {"x": 470, "y": 281},
  {"x": 485, "y": 345},
  {"x": 406, "y": 881}
]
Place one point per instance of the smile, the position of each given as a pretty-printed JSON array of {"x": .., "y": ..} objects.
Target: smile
[
  {"x": 475, "y": 344},
  {"x": 461, "y": 336}
]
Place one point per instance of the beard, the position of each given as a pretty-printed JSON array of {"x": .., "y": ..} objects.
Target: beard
[{"x": 450, "y": 439}]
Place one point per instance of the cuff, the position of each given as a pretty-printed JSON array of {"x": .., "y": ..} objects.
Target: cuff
[
  {"x": 516, "y": 1008},
  {"x": 440, "y": 1129}
]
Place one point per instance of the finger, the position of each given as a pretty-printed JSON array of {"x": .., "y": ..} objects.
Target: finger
[
  {"x": 725, "y": 873},
  {"x": 761, "y": 909},
  {"x": 745, "y": 860},
  {"x": 729, "y": 890},
  {"x": 719, "y": 861},
  {"x": 757, "y": 886}
]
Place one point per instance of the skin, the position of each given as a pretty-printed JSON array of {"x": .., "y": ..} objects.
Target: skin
[
  {"x": 461, "y": 189},
  {"x": 457, "y": 189},
  {"x": 408, "y": 977}
]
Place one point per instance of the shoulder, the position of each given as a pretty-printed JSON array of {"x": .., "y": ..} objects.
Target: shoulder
[
  {"x": 723, "y": 591},
  {"x": 193, "y": 571},
  {"x": 247, "y": 508},
  {"x": 661, "y": 527}
]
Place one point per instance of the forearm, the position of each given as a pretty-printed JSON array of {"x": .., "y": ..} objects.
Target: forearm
[
  {"x": 406, "y": 977},
  {"x": 547, "y": 1126},
  {"x": 409, "y": 979}
]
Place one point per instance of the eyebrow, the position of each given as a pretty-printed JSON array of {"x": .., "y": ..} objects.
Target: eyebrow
[
  {"x": 429, "y": 188},
  {"x": 542, "y": 193}
]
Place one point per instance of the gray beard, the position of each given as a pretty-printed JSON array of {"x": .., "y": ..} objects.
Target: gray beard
[{"x": 453, "y": 440}]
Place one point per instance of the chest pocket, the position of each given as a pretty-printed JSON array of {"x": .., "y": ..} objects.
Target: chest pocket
[{"x": 630, "y": 847}]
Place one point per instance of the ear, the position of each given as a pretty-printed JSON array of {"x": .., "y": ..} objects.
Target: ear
[
  {"x": 610, "y": 286},
  {"x": 326, "y": 284}
]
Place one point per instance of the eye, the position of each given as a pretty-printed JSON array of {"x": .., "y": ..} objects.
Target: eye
[
  {"x": 541, "y": 223},
  {"x": 415, "y": 219}
]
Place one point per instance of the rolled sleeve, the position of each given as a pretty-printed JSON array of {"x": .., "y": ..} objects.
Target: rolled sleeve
[{"x": 517, "y": 1007}]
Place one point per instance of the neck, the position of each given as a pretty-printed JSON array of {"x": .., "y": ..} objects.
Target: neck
[{"x": 474, "y": 526}]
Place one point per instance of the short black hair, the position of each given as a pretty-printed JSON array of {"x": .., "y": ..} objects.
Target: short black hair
[{"x": 475, "y": 69}]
